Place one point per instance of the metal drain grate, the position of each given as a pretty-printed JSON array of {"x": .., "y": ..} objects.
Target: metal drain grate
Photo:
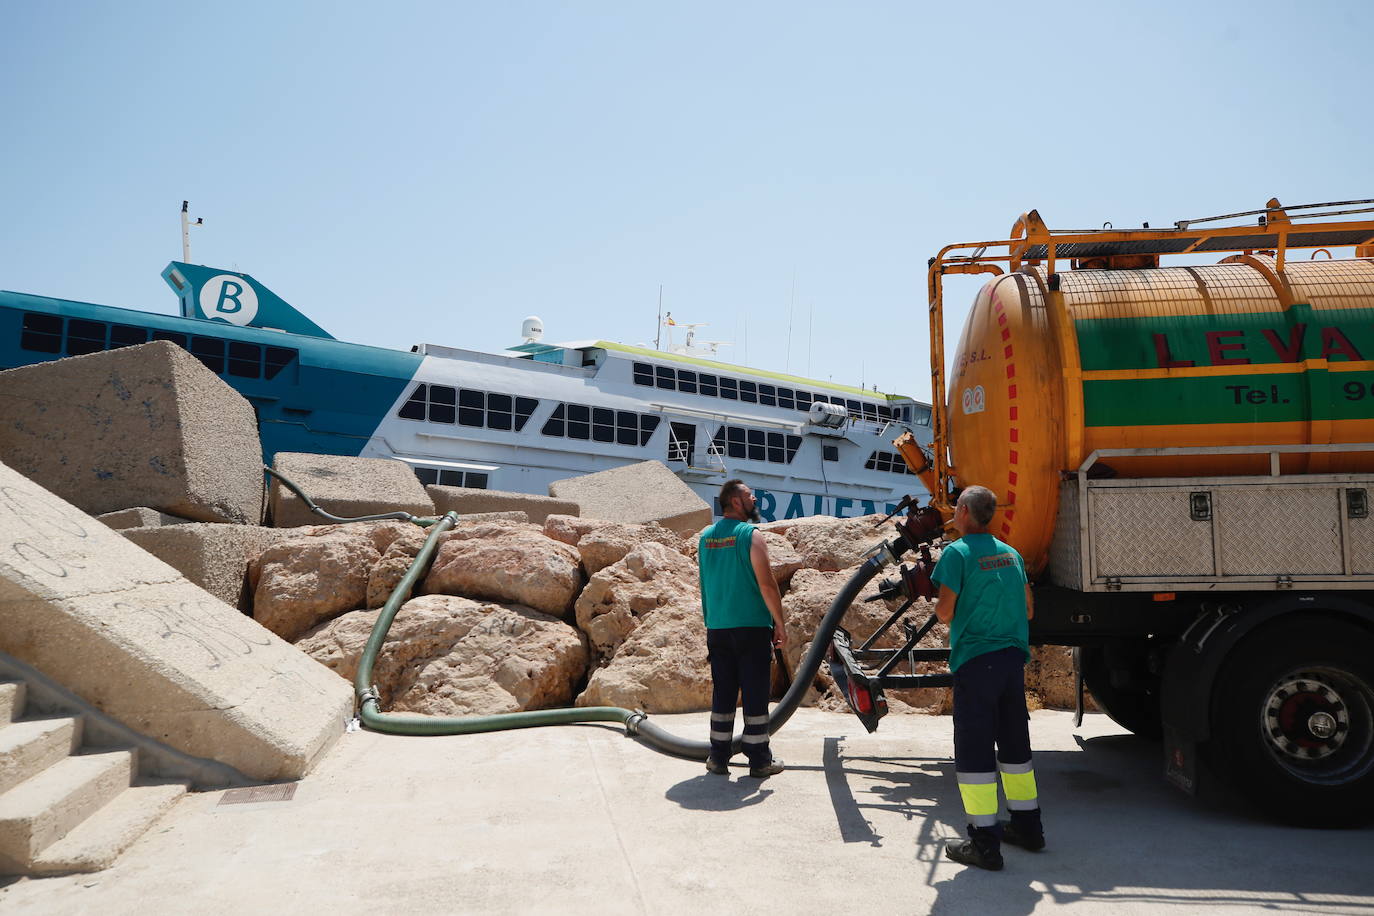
[{"x": 281, "y": 792}]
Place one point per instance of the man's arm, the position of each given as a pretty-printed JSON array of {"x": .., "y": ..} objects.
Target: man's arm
[
  {"x": 768, "y": 587},
  {"x": 1030, "y": 603},
  {"x": 944, "y": 605}
]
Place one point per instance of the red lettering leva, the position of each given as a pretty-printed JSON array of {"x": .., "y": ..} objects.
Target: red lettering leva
[
  {"x": 1216, "y": 350},
  {"x": 1335, "y": 341},
  {"x": 1292, "y": 351},
  {"x": 1166, "y": 359}
]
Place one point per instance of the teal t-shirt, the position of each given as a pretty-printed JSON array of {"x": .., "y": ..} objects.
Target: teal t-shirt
[
  {"x": 990, "y": 580},
  {"x": 730, "y": 595}
]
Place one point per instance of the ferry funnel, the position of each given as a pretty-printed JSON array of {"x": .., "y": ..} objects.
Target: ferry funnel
[{"x": 213, "y": 294}]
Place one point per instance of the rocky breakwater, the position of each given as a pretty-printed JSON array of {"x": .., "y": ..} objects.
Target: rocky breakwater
[{"x": 516, "y": 616}]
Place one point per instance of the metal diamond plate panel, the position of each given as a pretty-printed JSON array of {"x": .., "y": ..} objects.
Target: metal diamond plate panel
[
  {"x": 1065, "y": 550},
  {"x": 1361, "y": 546},
  {"x": 1147, "y": 531},
  {"x": 1280, "y": 530}
]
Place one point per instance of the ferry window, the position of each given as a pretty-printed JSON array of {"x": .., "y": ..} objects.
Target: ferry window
[
  {"x": 830, "y": 452},
  {"x": 210, "y": 351},
  {"x": 579, "y": 422},
  {"x": 875, "y": 462},
  {"x": 803, "y": 400},
  {"x": 554, "y": 425},
  {"x": 626, "y": 427},
  {"x": 768, "y": 395},
  {"x": 776, "y": 450},
  {"x": 178, "y": 339},
  {"x": 123, "y": 335},
  {"x": 603, "y": 424},
  {"x": 476, "y": 480},
  {"x": 923, "y": 416},
  {"x": 793, "y": 443},
  {"x": 870, "y": 412},
  {"x": 884, "y": 412},
  {"x": 687, "y": 381},
  {"x": 84, "y": 336},
  {"x": 42, "y": 333},
  {"x": 524, "y": 409},
  {"x": 644, "y": 374},
  {"x": 414, "y": 407},
  {"x": 441, "y": 403},
  {"x": 275, "y": 359},
  {"x": 499, "y": 411},
  {"x": 748, "y": 392},
  {"x": 734, "y": 439},
  {"x": 757, "y": 451},
  {"x": 786, "y": 398},
  {"x": 665, "y": 377},
  {"x": 707, "y": 384},
  {"x": 449, "y": 478},
  {"x": 647, "y": 425},
  {"x": 427, "y": 476},
  {"x": 729, "y": 389},
  {"x": 856, "y": 409},
  {"x": 245, "y": 359},
  {"x": 472, "y": 407}
]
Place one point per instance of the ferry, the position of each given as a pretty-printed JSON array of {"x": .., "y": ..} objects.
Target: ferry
[{"x": 514, "y": 421}]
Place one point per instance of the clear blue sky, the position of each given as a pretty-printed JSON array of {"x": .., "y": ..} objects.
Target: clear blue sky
[{"x": 413, "y": 172}]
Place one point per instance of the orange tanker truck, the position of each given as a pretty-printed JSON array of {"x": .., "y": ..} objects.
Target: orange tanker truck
[{"x": 1184, "y": 456}]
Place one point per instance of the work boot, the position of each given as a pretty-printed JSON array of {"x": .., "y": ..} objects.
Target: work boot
[
  {"x": 980, "y": 849},
  {"x": 1025, "y": 832},
  {"x": 763, "y": 771},
  {"x": 713, "y": 766}
]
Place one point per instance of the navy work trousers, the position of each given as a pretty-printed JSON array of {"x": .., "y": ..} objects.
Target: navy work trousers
[
  {"x": 740, "y": 665},
  {"x": 992, "y": 736}
]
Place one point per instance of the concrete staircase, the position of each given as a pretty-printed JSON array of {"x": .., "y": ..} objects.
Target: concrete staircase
[{"x": 66, "y": 807}]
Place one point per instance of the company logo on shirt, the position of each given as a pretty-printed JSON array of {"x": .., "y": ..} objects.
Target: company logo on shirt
[
  {"x": 996, "y": 561},
  {"x": 717, "y": 543}
]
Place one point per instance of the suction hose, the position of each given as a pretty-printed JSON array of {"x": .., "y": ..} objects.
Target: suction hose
[{"x": 636, "y": 722}]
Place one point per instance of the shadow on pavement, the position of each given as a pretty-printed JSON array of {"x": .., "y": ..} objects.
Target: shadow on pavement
[{"x": 709, "y": 792}]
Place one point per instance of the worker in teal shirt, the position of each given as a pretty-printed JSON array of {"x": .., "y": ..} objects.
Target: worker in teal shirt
[
  {"x": 985, "y": 599},
  {"x": 743, "y": 612}
]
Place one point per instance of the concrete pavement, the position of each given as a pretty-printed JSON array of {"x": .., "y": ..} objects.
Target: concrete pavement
[{"x": 579, "y": 819}]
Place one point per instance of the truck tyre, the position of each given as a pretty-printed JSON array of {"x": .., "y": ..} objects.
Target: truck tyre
[
  {"x": 1133, "y": 708},
  {"x": 1293, "y": 722}
]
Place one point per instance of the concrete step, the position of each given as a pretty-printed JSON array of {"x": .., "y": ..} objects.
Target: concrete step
[
  {"x": 27, "y": 748},
  {"x": 43, "y": 809},
  {"x": 97, "y": 842},
  {"x": 12, "y": 694}
]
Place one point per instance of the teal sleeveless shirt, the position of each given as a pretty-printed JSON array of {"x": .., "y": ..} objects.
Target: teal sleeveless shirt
[{"x": 730, "y": 595}]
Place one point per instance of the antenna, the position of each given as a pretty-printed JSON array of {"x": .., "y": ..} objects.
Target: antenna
[
  {"x": 186, "y": 225},
  {"x": 658, "y": 329},
  {"x": 791, "y": 310}
]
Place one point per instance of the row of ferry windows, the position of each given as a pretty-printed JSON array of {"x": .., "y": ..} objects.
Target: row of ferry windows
[
  {"x": 77, "y": 336},
  {"x": 467, "y": 407},
  {"x": 446, "y": 477},
  {"x": 757, "y": 444},
  {"x": 601, "y": 424},
  {"x": 888, "y": 461},
  {"x": 690, "y": 381}
]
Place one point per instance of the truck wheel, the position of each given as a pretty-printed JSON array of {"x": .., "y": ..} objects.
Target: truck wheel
[
  {"x": 1293, "y": 722},
  {"x": 1133, "y": 707}
]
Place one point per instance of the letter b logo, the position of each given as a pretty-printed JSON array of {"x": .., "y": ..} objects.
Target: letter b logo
[{"x": 229, "y": 297}]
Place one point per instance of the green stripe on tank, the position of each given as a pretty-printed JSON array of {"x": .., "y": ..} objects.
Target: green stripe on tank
[
  {"x": 1254, "y": 338},
  {"x": 1240, "y": 398}
]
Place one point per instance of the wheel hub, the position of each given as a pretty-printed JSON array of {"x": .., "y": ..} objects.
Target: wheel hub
[{"x": 1306, "y": 717}]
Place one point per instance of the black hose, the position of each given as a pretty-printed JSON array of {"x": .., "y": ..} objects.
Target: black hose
[
  {"x": 802, "y": 678},
  {"x": 310, "y": 504}
]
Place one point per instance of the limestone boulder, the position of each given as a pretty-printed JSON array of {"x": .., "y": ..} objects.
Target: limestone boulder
[
  {"x": 302, "y": 581},
  {"x": 661, "y": 666},
  {"x": 610, "y": 543},
  {"x": 510, "y": 563},
  {"x": 831, "y": 544},
  {"x": 451, "y": 656},
  {"x": 809, "y": 599},
  {"x": 638, "y": 493},
  {"x": 388, "y": 572},
  {"x": 620, "y": 596},
  {"x": 783, "y": 559},
  {"x": 344, "y": 486},
  {"x": 469, "y": 501}
]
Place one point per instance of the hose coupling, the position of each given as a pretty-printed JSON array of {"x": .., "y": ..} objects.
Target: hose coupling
[
  {"x": 632, "y": 723},
  {"x": 370, "y": 694}
]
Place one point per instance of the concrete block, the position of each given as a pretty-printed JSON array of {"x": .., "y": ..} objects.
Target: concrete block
[
  {"x": 215, "y": 557},
  {"x": 139, "y": 517},
  {"x": 128, "y": 634},
  {"x": 639, "y": 494},
  {"x": 347, "y": 487},
  {"x": 139, "y": 426},
  {"x": 467, "y": 501}
]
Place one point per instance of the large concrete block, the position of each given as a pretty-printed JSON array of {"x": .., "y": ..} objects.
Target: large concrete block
[
  {"x": 346, "y": 487},
  {"x": 215, "y": 557},
  {"x": 467, "y": 501},
  {"x": 139, "y": 426},
  {"x": 130, "y": 635},
  {"x": 637, "y": 493},
  {"x": 139, "y": 517}
]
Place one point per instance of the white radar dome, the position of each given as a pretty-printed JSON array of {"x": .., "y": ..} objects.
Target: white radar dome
[{"x": 532, "y": 329}]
